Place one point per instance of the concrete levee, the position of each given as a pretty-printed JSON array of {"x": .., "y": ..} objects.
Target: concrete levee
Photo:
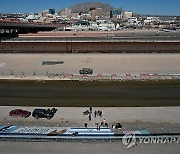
[{"x": 108, "y": 66}]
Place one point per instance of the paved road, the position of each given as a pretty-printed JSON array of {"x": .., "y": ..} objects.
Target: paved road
[
  {"x": 7, "y": 147},
  {"x": 129, "y": 36}
]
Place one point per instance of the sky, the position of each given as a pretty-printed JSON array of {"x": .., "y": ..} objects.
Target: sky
[{"x": 153, "y": 7}]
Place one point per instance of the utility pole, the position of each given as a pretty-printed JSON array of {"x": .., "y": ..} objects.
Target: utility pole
[
  {"x": 86, "y": 16},
  {"x": 85, "y": 11}
]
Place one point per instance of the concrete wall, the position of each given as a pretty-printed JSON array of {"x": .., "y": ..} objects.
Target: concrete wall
[{"x": 17, "y": 64}]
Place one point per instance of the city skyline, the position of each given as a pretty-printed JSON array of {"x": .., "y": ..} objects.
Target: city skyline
[{"x": 153, "y": 7}]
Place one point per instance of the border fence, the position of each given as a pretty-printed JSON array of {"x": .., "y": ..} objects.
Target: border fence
[{"x": 89, "y": 47}]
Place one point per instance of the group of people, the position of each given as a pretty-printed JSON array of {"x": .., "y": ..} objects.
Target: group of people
[
  {"x": 102, "y": 124},
  {"x": 98, "y": 113},
  {"x": 90, "y": 111}
]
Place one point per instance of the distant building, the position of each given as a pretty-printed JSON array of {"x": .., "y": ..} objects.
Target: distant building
[
  {"x": 116, "y": 12},
  {"x": 74, "y": 15},
  {"x": 92, "y": 8},
  {"x": 52, "y": 11},
  {"x": 66, "y": 12},
  {"x": 93, "y": 14},
  {"x": 133, "y": 20},
  {"x": 99, "y": 12},
  {"x": 31, "y": 18},
  {"x": 153, "y": 19},
  {"x": 127, "y": 15},
  {"x": 44, "y": 13}
]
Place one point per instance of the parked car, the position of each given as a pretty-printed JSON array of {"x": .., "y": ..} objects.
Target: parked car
[
  {"x": 43, "y": 113},
  {"x": 86, "y": 71},
  {"x": 19, "y": 113}
]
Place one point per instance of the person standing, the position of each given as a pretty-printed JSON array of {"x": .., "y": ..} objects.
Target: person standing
[
  {"x": 86, "y": 125},
  {"x": 95, "y": 113},
  {"x": 89, "y": 117},
  {"x": 100, "y": 113},
  {"x": 90, "y": 109}
]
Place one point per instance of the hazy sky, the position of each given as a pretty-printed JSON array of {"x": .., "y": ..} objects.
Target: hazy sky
[{"x": 156, "y": 7}]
